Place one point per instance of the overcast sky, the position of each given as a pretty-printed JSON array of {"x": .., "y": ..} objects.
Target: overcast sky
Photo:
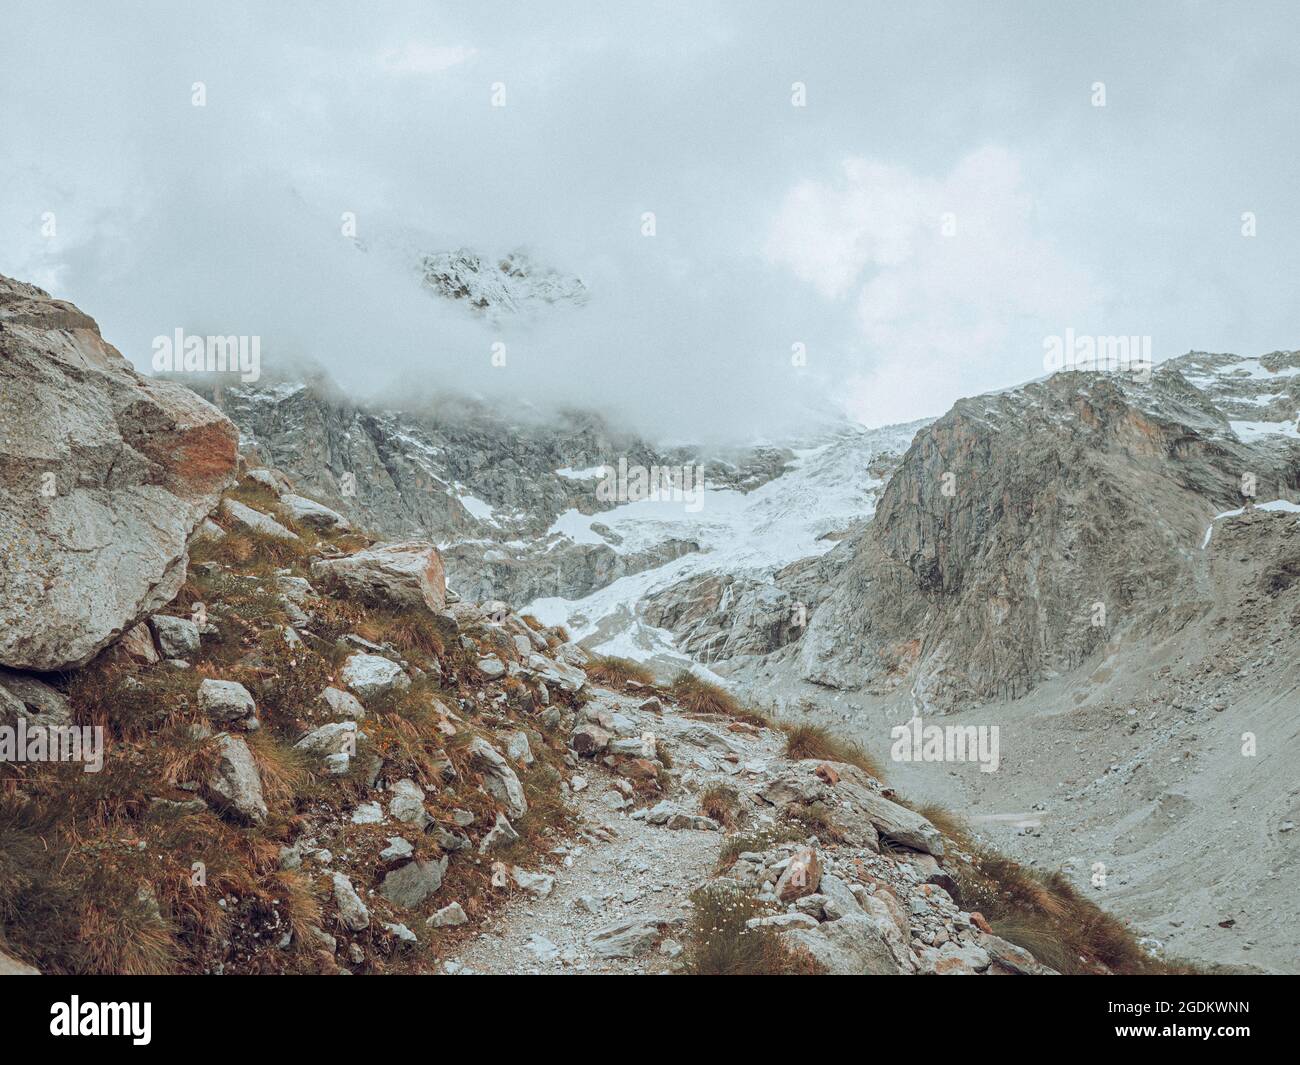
[{"x": 821, "y": 225}]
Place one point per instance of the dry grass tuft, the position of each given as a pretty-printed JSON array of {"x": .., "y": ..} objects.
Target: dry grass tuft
[
  {"x": 719, "y": 944},
  {"x": 700, "y": 696},
  {"x": 607, "y": 671},
  {"x": 814, "y": 741},
  {"x": 722, "y": 803}
]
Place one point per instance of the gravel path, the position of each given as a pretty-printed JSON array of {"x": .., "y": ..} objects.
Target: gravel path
[{"x": 620, "y": 875}]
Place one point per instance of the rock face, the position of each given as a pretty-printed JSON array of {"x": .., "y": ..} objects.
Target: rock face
[
  {"x": 1026, "y": 529},
  {"x": 407, "y": 575},
  {"x": 104, "y": 475}
]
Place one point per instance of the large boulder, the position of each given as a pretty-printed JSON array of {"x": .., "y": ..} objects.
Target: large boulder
[
  {"x": 408, "y": 574},
  {"x": 104, "y": 474}
]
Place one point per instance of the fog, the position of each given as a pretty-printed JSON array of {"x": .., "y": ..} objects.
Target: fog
[{"x": 948, "y": 195}]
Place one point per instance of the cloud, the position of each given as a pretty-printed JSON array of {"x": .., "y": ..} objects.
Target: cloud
[{"x": 947, "y": 277}]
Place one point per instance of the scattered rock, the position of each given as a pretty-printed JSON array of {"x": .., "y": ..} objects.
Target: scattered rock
[
  {"x": 177, "y": 637},
  {"x": 235, "y": 784},
  {"x": 255, "y": 521},
  {"x": 227, "y": 702},
  {"x": 370, "y": 675},
  {"x": 406, "y": 575},
  {"x": 450, "y": 916},
  {"x": 352, "y": 911}
]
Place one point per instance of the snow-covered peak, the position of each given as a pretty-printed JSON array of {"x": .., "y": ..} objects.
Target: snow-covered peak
[{"x": 511, "y": 285}]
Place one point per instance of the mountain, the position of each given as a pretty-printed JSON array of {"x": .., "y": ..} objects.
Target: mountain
[{"x": 1026, "y": 529}]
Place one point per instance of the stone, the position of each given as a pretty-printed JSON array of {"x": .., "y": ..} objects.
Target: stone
[
  {"x": 541, "y": 948},
  {"x": 959, "y": 959},
  {"x": 402, "y": 933},
  {"x": 397, "y": 848},
  {"x": 450, "y": 916},
  {"x": 32, "y": 699},
  {"x": 105, "y": 475},
  {"x": 1011, "y": 956},
  {"x": 342, "y": 704},
  {"x": 801, "y": 877},
  {"x": 500, "y": 834},
  {"x": 371, "y": 675},
  {"x": 137, "y": 644},
  {"x": 209, "y": 532},
  {"x": 517, "y": 748},
  {"x": 352, "y": 911},
  {"x": 539, "y": 885},
  {"x": 410, "y": 884},
  {"x": 235, "y": 785},
  {"x": 305, "y": 511},
  {"x": 407, "y": 803},
  {"x": 255, "y": 521},
  {"x": 627, "y": 937},
  {"x": 851, "y": 946},
  {"x": 661, "y": 811},
  {"x": 266, "y": 478},
  {"x": 408, "y": 574},
  {"x": 782, "y": 921},
  {"x": 177, "y": 637},
  {"x": 11, "y": 966},
  {"x": 694, "y": 822},
  {"x": 226, "y": 701},
  {"x": 338, "y": 737},
  {"x": 840, "y": 901},
  {"x": 589, "y": 740},
  {"x": 566, "y": 677},
  {"x": 367, "y": 813},
  {"x": 499, "y": 779}
]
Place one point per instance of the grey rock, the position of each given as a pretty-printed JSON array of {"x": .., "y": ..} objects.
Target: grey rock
[
  {"x": 255, "y": 521},
  {"x": 343, "y": 704},
  {"x": 450, "y": 916},
  {"x": 625, "y": 938},
  {"x": 370, "y": 675},
  {"x": 410, "y": 884},
  {"x": 499, "y": 779},
  {"x": 226, "y": 701},
  {"x": 235, "y": 784},
  {"x": 177, "y": 637},
  {"x": 106, "y": 474},
  {"x": 352, "y": 911},
  {"x": 308, "y": 512},
  {"x": 850, "y": 946},
  {"x": 407, "y": 574}
]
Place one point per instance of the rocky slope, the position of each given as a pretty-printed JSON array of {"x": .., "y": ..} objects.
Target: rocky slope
[
  {"x": 1026, "y": 529},
  {"x": 319, "y": 758}
]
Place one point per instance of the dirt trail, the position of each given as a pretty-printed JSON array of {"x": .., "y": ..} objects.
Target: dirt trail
[{"x": 620, "y": 875}]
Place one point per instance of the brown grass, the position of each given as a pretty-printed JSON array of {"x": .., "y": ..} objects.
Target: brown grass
[
  {"x": 700, "y": 696},
  {"x": 607, "y": 671},
  {"x": 722, "y": 803},
  {"x": 814, "y": 741},
  {"x": 719, "y": 944}
]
